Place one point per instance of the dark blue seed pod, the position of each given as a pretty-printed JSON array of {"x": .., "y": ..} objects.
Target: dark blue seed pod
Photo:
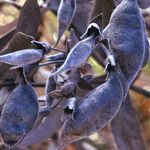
[
  {"x": 78, "y": 55},
  {"x": 4, "y": 94},
  {"x": 22, "y": 57},
  {"x": 19, "y": 113},
  {"x": 69, "y": 108},
  {"x": 65, "y": 16},
  {"x": 95, "y": 111},
  {"x": 125, "y": 24},
  {"x": 81, "y": 51}
]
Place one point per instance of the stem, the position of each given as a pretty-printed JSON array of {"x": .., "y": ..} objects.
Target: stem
[
  {"x": 50, "y": 63},
  {"x": 42, "y": 85},
  {"x": 140, "y": 90},
  {"x": 59, "y": 50}
]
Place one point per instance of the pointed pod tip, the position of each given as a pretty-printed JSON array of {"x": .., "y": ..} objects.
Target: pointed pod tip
[
  {"x": 57, "y": 42},
  {"x": 92, "y": 29},
  {"x": 61, "y": 144},
  {"x": 15, "y": 67},
  {"x": 59, "y": 147},
  {"x": 64, "y": 140},
  {"x": 59, "y": 71},
  {"x": 53, "y": 74},
  {"x": 42, "y": 45}
]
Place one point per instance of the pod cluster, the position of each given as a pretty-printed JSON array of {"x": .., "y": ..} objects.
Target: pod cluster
[{"x": 23, "y": 122}]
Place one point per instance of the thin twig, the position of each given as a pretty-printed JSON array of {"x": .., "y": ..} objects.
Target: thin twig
[
  {"x": 50, "y": 63},
  {"x": 42, "y": 85},
  {"x": 140, "y": 90}
]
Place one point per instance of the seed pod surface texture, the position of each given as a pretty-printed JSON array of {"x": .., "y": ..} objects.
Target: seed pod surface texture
[
  {"x": 65, "y": 16},
  {"x": 125, "y": 24},
  {"x": 22, "y": 57},
  {"x": 94, "y": 112},
  {"x": 19, "y": 114},
  {"x": 78, "y": 55}
]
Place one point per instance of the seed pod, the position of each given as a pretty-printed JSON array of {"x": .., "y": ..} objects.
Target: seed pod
[
  {"x": 93, "y": 28},
  {"x": 98, "y": 20},
  {"x": 19, "y": 113},
  {"x": 22, "y": 57},
  {"x": 125, "y": 24},
  {"x": 81, "y": 51},
  {"x": 69, "y": 108},
  {"x": 40, "y": 128},
  {"x": 46, "y": 47},
  {"x": 49, "y": 126},
  {"x": 20, "y": 41},
  {"x": 42, "y": 45},
  {"x": 65, "y": 16},
  {"x": 142, "y": 3},
  {"x": 95, "y": 111},
  {"x": 4, "y": 94}
]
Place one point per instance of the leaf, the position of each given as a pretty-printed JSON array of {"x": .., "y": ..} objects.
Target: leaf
[
  {"x": 98, "y": 20},
  {"x": 83, "y": 15},
  {"x": 105, "y": 7},
  {"x": 28, "y": 22},
  {"x": 29, "y": 18},
  {"x": 6, "y": 38},
  {"x": 20, "y": 41}
]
